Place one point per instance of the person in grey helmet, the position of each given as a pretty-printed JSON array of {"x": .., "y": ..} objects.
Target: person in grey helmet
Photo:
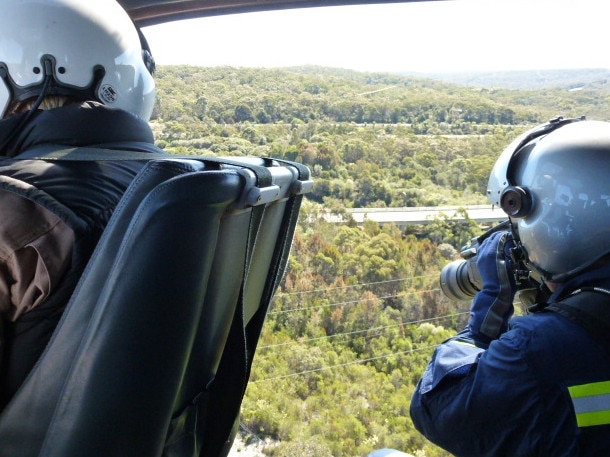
[
  {"x": 73, "y": 73},
  {"x": 537, "y": 384}
]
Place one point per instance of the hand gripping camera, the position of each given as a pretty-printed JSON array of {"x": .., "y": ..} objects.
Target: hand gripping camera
[{"x": 460, "y": 280}]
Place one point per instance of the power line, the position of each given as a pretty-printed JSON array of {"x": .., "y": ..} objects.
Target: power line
[
  {"x": 355, "y": 362},
  {"x": 330, "y": 289},
  {"x": 355, "y": 332},
  {"x": 351, "y": 302},
  {"x": 330, "y": 305}
]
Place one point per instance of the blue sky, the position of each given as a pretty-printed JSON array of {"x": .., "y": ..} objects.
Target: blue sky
[{"x": 452, "y": 35}]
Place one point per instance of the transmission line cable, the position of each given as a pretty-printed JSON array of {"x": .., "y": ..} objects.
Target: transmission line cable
[
  {"x": 355, "y": 362},
  {"x": 330, "y": 305},
  {"x": 330, "y": 289},
  {"x": 355, "y": 332}
]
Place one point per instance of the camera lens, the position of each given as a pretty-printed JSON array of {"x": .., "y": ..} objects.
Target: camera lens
[{"x": 459, "y": 279}]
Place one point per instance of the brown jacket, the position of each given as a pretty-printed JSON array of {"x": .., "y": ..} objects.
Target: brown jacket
[{"x": 35, "y": 251}]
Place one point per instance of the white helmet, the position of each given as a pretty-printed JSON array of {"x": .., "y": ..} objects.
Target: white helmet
[
  {"x": 553, "y": 183},
  {"x": 85, "y": 48}
]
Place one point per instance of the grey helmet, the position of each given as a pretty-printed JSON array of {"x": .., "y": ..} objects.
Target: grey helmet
[{"x": 554, "y": 184}]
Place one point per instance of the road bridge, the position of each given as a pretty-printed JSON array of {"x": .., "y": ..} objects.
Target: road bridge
[{"x": 483, "y": 214}]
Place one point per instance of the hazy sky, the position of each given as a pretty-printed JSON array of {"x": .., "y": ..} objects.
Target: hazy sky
[{"x": 430, "y": 36}]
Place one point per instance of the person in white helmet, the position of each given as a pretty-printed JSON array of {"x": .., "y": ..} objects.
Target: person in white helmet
[
  {"x": 539, "y": 384},
  {"x": 73, "y": 73}
]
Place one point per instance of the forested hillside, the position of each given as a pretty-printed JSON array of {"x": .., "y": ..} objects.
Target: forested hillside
[
  {"x": 371, "y": 139},
  {"x": 359, "y": 311},
  {"x": 567, "y": 79}
]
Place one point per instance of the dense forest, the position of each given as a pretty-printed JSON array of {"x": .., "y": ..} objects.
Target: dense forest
[
  {"x": 372, "y": 140},
  {"x": 359, "y": 311}
]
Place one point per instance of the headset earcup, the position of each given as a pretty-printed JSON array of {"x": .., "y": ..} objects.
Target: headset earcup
[{"x": 516, "y": 201}]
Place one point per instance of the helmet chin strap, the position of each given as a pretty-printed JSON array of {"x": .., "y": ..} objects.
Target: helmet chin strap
[{"x": 532, "y": 289}]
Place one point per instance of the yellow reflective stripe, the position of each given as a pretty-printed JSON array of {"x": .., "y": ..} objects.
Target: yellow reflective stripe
[
  {"x": 594, "y": 418},
  {"x": 586, "y": 390},
  {"x": 591, "y": 403}
]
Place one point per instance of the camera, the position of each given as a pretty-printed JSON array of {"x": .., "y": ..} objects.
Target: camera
[{"x": 460, "y": 280}]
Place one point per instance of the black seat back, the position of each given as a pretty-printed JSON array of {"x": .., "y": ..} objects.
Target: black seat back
[{"x": 153, "y": 352}]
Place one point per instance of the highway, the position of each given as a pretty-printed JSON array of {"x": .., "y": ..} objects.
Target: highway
[{"x": 483, "y": 214}]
